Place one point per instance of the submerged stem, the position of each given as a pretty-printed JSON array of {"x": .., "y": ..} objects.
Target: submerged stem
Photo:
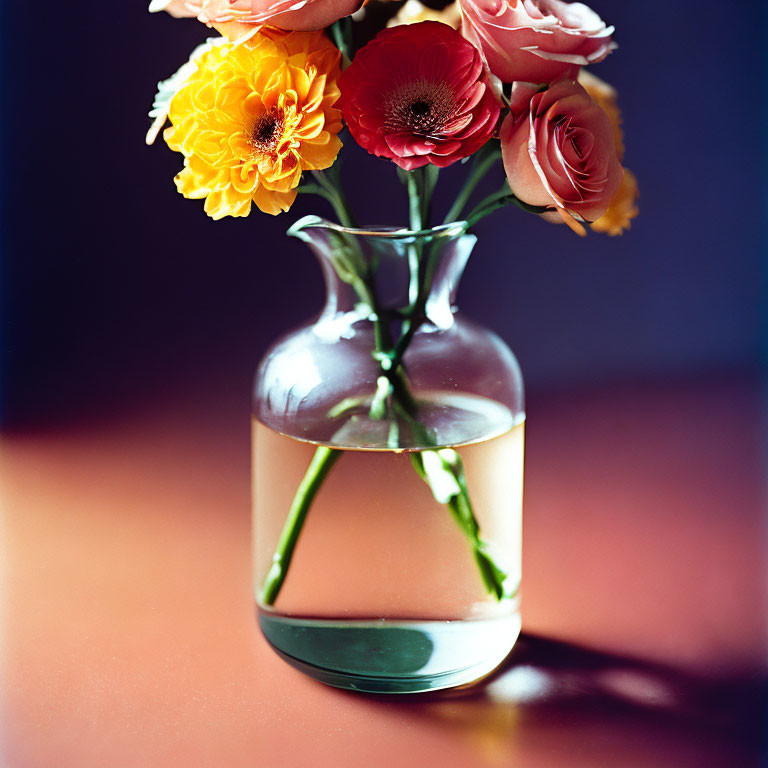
[
  {"x": 319, "y": 467},
  {"x": 393, "y": 398}
]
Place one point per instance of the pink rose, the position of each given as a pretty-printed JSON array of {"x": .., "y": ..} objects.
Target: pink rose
[
  {"x": 234, "y": 18},
  {"x": 535, "y": 40},
  {"x": 559, "y": 150}
]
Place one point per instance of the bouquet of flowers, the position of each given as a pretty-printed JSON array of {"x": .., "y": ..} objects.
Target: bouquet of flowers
[{"x": 257, "y": 112}]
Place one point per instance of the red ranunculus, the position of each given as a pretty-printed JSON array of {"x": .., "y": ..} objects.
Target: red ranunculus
[{"x": 417, "y": 94}]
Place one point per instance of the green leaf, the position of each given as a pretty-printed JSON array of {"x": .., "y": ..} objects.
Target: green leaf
[
  {"x": 443, "y": 470},
  {"x": 440, "y": 477},
  {"x": 493, "y": 577}
]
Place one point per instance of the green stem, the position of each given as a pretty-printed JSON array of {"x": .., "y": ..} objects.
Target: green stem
[
  {"x": 396, "y": 398},
  {"x": 416, "y": 182},
  {"x": 460, "y": 507},
  {"x": 335, "y": 196},
  {"x": 489, "y": 204},
  {"x": 417, "y": 309},
  {"x": 340, "y": 32},
  {"x": 499, "y": 199},
  {"x": 361, "y": 282},
  {"x": 319, "y": 467},
  {"x": 415, "y": 202},
  {"x": 415, "y": 210},
  {"x": 483, "y": 162}
]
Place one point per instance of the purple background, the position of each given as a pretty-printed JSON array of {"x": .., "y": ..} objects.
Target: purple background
[{"x": 115, "y": 288}]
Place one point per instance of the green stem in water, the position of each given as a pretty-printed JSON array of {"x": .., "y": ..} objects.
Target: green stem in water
[
  {"x": 396, "y": 398},
  {"x": 319, "y": 467},
  {"x": 443, "y": 471}
]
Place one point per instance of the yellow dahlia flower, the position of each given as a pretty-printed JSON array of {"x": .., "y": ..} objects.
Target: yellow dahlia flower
[{"x": 252, "y": 117}]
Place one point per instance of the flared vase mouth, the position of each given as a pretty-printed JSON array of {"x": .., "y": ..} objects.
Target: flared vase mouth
[{"x": 402, "y": 234}]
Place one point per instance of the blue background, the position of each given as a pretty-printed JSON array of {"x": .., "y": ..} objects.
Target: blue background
[{"x": 116, "y": 289}]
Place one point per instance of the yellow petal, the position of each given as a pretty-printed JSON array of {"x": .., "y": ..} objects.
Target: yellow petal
[
  {"x": 273, "y": 202},
  {"x": 213, "y": 118}
]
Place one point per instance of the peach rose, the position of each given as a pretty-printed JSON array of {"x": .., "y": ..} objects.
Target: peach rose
[
  {"x": 536, "y": 41},
  {"x": 559, "y": 151},
  {"x": 238, "y": 18},
  {"x": 606, "y": 97}
]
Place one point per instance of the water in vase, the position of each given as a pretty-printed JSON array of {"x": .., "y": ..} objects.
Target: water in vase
[{"x": 383, "y": 592}]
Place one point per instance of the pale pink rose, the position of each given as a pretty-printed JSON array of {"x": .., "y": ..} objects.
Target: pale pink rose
[
  {"x": 535, "y": 40},
  {"x": 559, "y": 151},
  {"x": 233, "y": 18}
]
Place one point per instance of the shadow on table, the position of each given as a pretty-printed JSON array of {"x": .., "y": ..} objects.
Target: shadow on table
[{"x": 557, "y": 704}]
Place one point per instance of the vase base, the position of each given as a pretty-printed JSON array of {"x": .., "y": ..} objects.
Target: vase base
[{"x": 386, "y": 656}]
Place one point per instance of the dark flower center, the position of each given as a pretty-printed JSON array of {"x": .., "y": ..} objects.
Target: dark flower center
[
  {"x": 421, "y": 107},
  {"x": 267, "y": 131}
]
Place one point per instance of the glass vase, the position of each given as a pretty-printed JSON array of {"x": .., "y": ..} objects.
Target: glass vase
[{"x": 388, "y": 471}]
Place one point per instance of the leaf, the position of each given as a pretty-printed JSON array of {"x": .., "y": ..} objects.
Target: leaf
[
  {"x": 440, "y": 477},
  {"x": 443, "y": 470},
  {"x": 493, "y": 577}
]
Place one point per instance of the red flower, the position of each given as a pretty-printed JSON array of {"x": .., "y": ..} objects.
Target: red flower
[{"x": 417, "y": 94}]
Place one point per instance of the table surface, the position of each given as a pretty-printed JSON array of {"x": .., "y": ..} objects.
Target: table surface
[{"x": 129, "y": 639}]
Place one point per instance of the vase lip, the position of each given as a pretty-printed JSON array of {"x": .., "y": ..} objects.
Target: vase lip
[{"x": 454, "y": 229}]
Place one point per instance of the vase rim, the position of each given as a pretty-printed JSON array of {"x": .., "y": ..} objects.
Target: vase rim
[{"x": 454, "y": 229}]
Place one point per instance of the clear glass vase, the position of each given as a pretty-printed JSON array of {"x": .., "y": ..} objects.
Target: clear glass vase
[{"x": 388, "y": 471}]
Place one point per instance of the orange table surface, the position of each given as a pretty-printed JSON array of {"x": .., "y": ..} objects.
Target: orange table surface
[{"x": 129, "y": 638}]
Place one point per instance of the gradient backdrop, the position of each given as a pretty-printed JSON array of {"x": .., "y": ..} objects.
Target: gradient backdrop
[
  {"x": 117, "y": 289},
  {"x": 131, "y": 325}
]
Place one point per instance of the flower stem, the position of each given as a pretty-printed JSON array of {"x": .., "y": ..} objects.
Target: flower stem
[
  {"x": 335, "y": 196},
  {"x": 485, "y": 159},
  {"x": 499, "y": 199},
  {"x": 396, "y": 400},
  {"x": 448, "y": 462},
  {"x": 415, "y": 201},
  {"x": 341, "y": 34},
  {"x": 319, "y": 467}
]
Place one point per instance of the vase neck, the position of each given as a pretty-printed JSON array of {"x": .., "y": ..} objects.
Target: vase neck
[{"x": 389, "y": 272}]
